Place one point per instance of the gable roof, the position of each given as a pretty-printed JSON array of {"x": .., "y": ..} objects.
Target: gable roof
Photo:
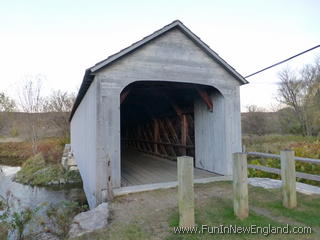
[{"x": 88, "y": 77}]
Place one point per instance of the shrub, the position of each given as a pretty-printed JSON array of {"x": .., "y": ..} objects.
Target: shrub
[
  {"x": 302, "y": 146},
  {"x": 32, "y": 165},
  {"x": 15, "y": 153},
  {"x": 14, "y": 219}
]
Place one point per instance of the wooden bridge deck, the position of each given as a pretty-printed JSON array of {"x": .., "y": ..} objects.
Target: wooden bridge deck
[{"x": 139, "y": 168}]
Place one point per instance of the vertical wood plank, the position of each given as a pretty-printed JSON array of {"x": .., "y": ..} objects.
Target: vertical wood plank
[
  {"x": 288, "y": 177},
  {"x": 184, "y": 133},
  {"x": 156, "y": 135},
  {"x": 240, "y": 185},
  {"x": 185, "y": 191}
]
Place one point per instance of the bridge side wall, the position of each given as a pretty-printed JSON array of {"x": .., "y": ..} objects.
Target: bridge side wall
[{"x": 83, "y": 141}]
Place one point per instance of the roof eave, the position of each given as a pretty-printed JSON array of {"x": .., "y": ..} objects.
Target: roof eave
[
  {"x": 88, "y": 77},
  {"x": 163, "y": 30}
]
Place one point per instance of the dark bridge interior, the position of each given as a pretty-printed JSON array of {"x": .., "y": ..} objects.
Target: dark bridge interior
[{"x": 158, "y": 117}]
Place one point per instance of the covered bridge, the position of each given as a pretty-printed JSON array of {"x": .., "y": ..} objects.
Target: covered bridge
[{"x": 165, "y": 96}]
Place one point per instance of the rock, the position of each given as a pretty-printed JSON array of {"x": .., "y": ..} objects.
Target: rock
[
  {"x": 64, "y": 162},
  {"x": 73, "y": 168},
  {"x": 273, "y": 183},
  {"x": 46, "y": 236},
  {"x": 53, "y": 182},
  {"x": 265, "y": 182},
  {"x": 89, "y": 221},
  {"x": 71, "y": 161},
  {"x": 307, "y": 189},
  {"x": 62, "y": 181}
]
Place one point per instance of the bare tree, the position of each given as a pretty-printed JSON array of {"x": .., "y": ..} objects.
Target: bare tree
[
  {"x": 301, "y": 92},
  {"x": 291, "y": 92},
  {"x": 6, "y": 104},
  {"x": 31, "y": 102},
  {"x": 61, "y": 103}
]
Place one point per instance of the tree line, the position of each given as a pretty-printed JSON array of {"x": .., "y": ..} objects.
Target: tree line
[
  {"x": 31, "y": 100},
  {"x": 298, "y": 94},
  {"x": 299, "y": 99}
]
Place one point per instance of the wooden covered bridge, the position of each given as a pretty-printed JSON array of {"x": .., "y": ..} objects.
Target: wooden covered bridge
[{"x": 165, "y": 96}]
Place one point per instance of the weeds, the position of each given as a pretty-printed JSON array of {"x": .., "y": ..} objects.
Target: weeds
[
  {"x": 60, "y": 216},
  {"x": 16, "y": 153},
  {"x": 26, "y": 222},
  {"x": 16, "y": 218},
  {"x": 302, "y": 146}
]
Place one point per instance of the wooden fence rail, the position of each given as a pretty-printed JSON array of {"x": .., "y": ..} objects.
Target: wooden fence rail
[
  {"x": 277, "y": 171},
  {"x": 269, "y": 155}
]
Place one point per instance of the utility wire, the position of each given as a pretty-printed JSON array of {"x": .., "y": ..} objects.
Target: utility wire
[{"x": 283, "y": 61}]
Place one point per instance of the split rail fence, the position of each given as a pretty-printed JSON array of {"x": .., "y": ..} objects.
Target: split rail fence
[
  {"x": 278, "y": 171},
  {"x": 287, "y": 172}
]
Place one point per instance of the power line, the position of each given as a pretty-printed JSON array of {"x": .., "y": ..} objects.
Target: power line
[{"x": 283, "y": 61}]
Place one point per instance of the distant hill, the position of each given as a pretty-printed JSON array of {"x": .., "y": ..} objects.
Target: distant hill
[{"x": 13, "y": 124}]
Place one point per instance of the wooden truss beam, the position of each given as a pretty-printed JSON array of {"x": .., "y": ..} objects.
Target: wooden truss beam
[
  {"x": 206, "y": 98},
  {"x": 124, "y": 95}
]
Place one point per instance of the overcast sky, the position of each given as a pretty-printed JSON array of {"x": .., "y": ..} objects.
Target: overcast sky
[{"x": 59, "y": 39}]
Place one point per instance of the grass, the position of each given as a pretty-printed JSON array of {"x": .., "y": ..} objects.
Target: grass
[
  {"x": 220, "y": 211},
  {"x": 305, "y": 213},
  {"x": 16, "y": 153},
  {"x": 42, "y": 169},
  {"x": 273, "y": 143},
  {"x": 37, "y": 171},
  {"x": 211, "y": 216},
  {"x": 214, "y": 207}
]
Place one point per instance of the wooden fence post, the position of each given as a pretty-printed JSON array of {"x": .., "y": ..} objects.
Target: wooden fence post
[
  {"x": 240, "y": 185},
  {"x": 288, "y": 177},
  {"x": 185, "y": 191},
  {"x": 244, "y": 149}
]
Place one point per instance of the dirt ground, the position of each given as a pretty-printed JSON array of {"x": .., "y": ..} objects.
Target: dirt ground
[{"x": 153, "y": 208}]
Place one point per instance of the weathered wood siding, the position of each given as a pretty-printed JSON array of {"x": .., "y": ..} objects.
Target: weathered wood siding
[
  {"x": 174, "y": 57},
  {"x": 210, "y": 139},
  {"x": 83, "y": 141},
  {"x": 171, "y": 57}
]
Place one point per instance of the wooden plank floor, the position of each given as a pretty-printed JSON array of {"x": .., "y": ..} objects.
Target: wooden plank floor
[{"x": 139, "y": 168}]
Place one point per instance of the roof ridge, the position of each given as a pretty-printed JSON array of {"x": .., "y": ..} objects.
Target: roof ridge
[{"x": 88, "y": 77}]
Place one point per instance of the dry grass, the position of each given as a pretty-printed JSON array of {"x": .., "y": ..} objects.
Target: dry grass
[{"x": 16, "y": 153}]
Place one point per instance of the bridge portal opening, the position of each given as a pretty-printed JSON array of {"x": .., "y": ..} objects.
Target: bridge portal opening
[{"x": 158, "y": 124}]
